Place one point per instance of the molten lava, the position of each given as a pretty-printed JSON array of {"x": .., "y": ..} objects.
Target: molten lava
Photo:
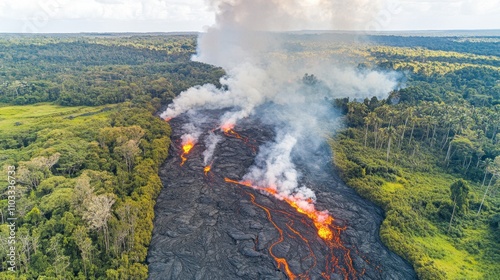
[
  {"x": 186, "y": 148},
  {"x": 282, "y": 263},
  {"x": 321, "y": 220},
  {"x": 207, "y": 169},
  {"x": 226, "y": 127},
  {"x": 229, "y": 131},
  {"x": 323, "y": 224},
  {"x": 338, "y": 259}
]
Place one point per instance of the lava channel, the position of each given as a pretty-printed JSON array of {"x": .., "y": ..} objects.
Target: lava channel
[
  {"x": 229, "y": 131},
  {"x": 322, "y": 222}
]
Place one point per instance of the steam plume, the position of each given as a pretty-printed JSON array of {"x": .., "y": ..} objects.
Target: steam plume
[
  {"x": 210, "y": 143},
  {"x": 191, "y": 134},
  {"x": 259, "y": 85}
]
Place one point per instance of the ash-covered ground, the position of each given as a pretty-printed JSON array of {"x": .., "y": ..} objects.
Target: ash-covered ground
[{"x": 206, "y": 228}]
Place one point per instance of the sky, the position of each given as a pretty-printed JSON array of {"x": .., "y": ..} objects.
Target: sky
[{"x": 70, "y": 16}]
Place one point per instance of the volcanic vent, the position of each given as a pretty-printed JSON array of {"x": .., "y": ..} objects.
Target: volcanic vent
[{"x": 212, "y": 223}]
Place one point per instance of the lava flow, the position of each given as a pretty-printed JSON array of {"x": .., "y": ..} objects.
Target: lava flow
[
  {"x": 207, "y": 169},
  {"x": 229, "y": 131},
  {"x": 282, "y": 263},
  {"x": 186, "y": 148},
  {"x": 321, "y": 220},
  {"x": 323, "y": 224}
]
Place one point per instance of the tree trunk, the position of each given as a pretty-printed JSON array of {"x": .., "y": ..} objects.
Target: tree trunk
[
  {"x": 105, "y": 234},
  {"x": 468, "y": 165},
  {"x": 433, "y": 134},
  {"x": 453, "y": 213},
  {"x": 403, "y": 134},
  {"x": 366, "y": 134},
  {"x": 446, "y": 138},
  {"x": 389, "y": 148},
  {"x": 484, "y": 179},
  {"x": 447, "y": 159},
  {"x": 411, "y": 134},
  {"x": 427, "y": 131},
  {"x": 485, "y": 193}
]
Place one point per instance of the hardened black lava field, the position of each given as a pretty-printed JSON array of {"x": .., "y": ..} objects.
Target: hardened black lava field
[{"x": 210, "y": 225}]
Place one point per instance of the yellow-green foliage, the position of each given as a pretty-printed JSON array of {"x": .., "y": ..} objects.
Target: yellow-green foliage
[
  {"x": 69, "y": 161},
  {"x": 414, "y": 202},
  {"x": 14, "y": 119}
]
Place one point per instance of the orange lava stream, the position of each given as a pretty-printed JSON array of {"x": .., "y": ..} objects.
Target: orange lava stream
[
  {"x": 231, "y": 132},
  {"x": 311, "y": 252},
  {"x": 207, "y": 169},
  {"x": 228, "y": 130},
  {"x": 282, "y": 263},
  {"x": 323, "y": 223},
  {"x": 321, "y": 220},
  {"x": 186, "y": 148}
]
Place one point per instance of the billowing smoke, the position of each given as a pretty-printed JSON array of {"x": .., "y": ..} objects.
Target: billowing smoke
[
  {"x": 242, "y": 26},
  {"x": 275, "y": 169},
  {"x": 261, "y": 84},
  {"x": 247, "y": 87},
  {"x": 191, "y": 134},
  {"x": 210, "y": 143}
]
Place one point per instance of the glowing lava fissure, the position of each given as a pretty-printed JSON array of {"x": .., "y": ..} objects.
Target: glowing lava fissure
[
  {"x": 324, "y": 230},
  {"x": 282, "y": 262},
  {"x": 207, "y": 169},
  {"x": 228, "y": 130},
  {"x": 186, "y": 148},
  {"x": 322, "y": 220}
]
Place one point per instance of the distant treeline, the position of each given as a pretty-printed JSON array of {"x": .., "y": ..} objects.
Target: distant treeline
[
  {"x": 480, "y": 45},
  {"x": 97, "y": 71}
]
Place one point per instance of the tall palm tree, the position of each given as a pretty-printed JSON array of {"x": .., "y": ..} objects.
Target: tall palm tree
[
  {"x": 494, "y": 170},
  {"x": 409, "y": 113},
  {"x": 390, "y": 133},
  {"x": 370, "y": 120}
]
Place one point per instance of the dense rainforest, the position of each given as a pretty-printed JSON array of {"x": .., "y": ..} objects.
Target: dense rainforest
[
  {"x": 429, "y": 155},
  {"x": 77, "y": 121},
  {"x": 86, "y": 173}
]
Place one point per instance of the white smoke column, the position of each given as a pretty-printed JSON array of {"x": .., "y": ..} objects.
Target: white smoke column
[
  {"x": 274, "y": 169},
  {"x": 238, "y": 35},
  {"x": 191, "y": 134},
  {"x": 357, "y": 84},
  {"x": 241, "y": 43},
  {"x": 210, "y": 144},
  {"x": 247, "y": 87}
]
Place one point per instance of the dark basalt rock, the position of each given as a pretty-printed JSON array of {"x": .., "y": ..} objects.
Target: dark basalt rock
[{"x": 206, "y": 228}]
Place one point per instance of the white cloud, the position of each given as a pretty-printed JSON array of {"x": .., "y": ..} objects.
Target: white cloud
[
  {"x": 484, "y": 7},
  {"x": 104, "y": 9},
  {"x": 146, "y": 15},
  {"x": 447, "y": 14},
  {"x": 185, "y": 15}
]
